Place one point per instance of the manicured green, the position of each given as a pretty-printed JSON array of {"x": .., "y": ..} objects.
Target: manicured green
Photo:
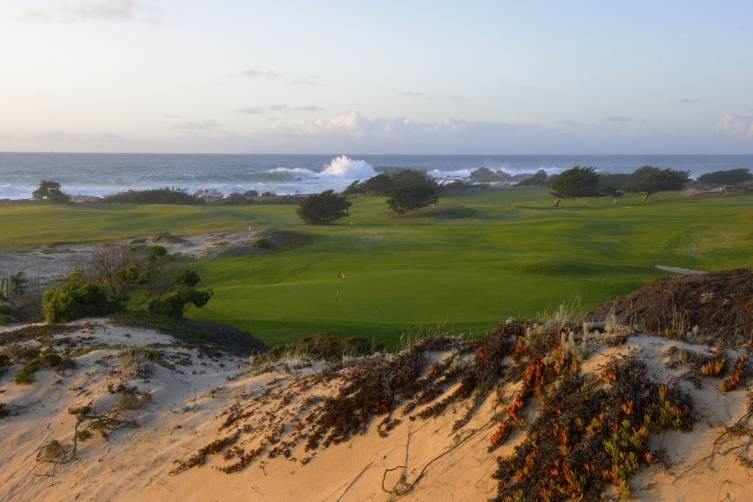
[{"x": 515, "y": 256}]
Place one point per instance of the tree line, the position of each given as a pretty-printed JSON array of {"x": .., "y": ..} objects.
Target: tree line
[{"x": 407, "y": 190}]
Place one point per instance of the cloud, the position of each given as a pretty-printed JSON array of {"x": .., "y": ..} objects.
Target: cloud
[
  {"x": 310, "y": 81},
  {"x": 571, "y": 123},
  {"x": 737, "y": 125},
  {"x": 253, "y": 110},
  {"x": 256, "y": 73},
  {"x": 201, "y": 125},
  {"x": 96, "y": 10},
  {"x": 103, "y": 9},
  {"x": 356, "y": 132},
  {"x": 617, "y": 118},
  {"x": 419, "y": 94},
  {"x": 35, "y": 15},
  {"x": 688, "y": 101},
  {"x": 61, "y": 136},
  {"x": 260, "y": 110}
]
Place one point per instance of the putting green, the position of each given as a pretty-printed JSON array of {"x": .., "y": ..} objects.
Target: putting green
[{"x": 515, "y": 256}]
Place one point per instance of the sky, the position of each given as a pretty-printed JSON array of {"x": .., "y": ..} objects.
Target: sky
[{"x": 318, "y": 76}]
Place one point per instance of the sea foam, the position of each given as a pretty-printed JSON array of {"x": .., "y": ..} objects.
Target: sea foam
[{"x": 342, "y": 167}]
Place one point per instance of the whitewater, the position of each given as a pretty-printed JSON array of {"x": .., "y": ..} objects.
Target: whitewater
[{"x": 98, "y": 174}]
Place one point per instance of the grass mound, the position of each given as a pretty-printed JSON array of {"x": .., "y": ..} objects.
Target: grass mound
[
  {"x": 716, "y": 308},
  {"x": 206, "y": 334},
  {"x": 447, "y": 212}
]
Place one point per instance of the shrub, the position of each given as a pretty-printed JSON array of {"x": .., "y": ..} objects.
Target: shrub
[
  {"x": 538, "y": 179},
  {"x": 74, "y": 298},
  {"x": 4, "y": 363},
  {"x": 486, "y": 175},
  {"x": 174, "y": 304},
  {"x": 50, "y": 360},
  {"x": 648, "y": 180},
  {"x": 49, "y": 190},
  {"x": 729, "y": 177},
  {"x": 323, "y": 208},
  {"x": 320, "y": 346},
  {"x": 25, "y": 375},
  {"x": 575, "y": 182},
  {"x": 612, "y": 183},
  {"x": 381, "y": 184},
  {"x": 412, "y": 190},
  {"x": 167, "y": 195},
  {"x": 262, "y": 243}
]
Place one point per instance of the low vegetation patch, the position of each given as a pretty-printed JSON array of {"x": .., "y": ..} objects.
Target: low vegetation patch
[
  {"x": 319, "y": 347},
  {"x": 165, "y": 195},
  {"x": 446, "y": 212},
  {"x": 714, "y": 308},
  {"x": 46, "y": 360},
  {"x": 592, "y": 433}
]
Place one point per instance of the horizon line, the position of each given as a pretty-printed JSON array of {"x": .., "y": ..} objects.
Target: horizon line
[{"x": 48, "y": 152}]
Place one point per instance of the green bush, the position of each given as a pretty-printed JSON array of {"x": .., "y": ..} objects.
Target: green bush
[
  {"x": 575, "y": 182},
  {"x": 538, "y": 179},
  {"x": 729, "y": 177},
  {"x": 412, "y": 190},
  {"x": 165, "y": 195},
  {"x": 25, "y": 375},
  {"x": 49, "y": 190},
  {"x": 174, "y": 305},
  {"x": 4, "y": 363},
  {"x": 50, "y": 360},
  {"x": 486, "y": 175},
  {"x": 74, "y": 298},
  {"x": 648, "y": 180},
  {"x": 262, "y": 244},
  {"x": 381, "y": 184},
  {"x": 323, "y": 208}
]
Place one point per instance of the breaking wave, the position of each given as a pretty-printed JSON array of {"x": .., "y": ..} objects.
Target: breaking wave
[{"x": 342, "y": 167}]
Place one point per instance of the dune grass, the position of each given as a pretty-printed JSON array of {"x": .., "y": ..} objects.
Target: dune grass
[{"x": 513, "y": 256}]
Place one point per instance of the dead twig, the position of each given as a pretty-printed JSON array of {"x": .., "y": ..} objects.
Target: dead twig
[{"x": 353, "y": 482}]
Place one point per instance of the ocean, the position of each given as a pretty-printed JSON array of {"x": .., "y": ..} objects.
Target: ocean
[{"x": 103, "y": 174}]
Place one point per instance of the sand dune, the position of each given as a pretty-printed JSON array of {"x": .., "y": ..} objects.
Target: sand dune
[{"x": 193, "y": 394}]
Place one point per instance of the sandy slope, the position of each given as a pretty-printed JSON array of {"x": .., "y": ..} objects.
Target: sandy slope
[
  {"x": 187, "y": 408},
  {"x": 50, "y": 262}
]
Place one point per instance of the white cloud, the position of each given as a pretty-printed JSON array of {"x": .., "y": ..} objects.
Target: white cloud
[
  {"x": 617, "y": 118},
  {"x": 200, "y": 125},
  {"x": 309, "y": 108},
  {"x": 260, "y": 110},
  {"x": 256, "y": 73},
  {"x": 103, "y": 9},
  {"x": 738, "y": 125},
  {"x": 429, "y": 96},
  {"x": 95, "y": 10},
  {"x": 310, "y": 81},
  {"x": 253, "y": 110},
  {"x": 35, "y": 15},
  {"x": 355, "y": 132}
]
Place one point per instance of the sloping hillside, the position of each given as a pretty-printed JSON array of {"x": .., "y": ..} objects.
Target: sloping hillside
[{"x": 531, "y": 411}]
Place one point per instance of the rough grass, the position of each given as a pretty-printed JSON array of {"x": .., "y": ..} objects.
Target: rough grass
[{"x": 515, "y": 256}]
